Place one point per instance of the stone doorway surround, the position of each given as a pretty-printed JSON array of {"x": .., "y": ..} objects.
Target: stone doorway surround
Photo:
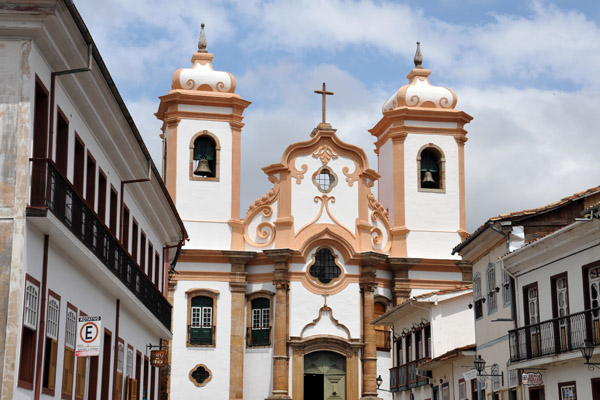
[{"x": 348, "y": 348}]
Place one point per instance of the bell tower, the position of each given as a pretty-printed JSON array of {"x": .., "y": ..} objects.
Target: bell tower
[
  {"x": 420, "y": 149},
  {"x": 201, "y": 132}
]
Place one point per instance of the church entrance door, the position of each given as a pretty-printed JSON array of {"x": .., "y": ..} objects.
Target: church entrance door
[{"x": 324, "y": 376}]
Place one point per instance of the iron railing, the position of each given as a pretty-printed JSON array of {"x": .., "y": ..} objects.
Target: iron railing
[
  {"x": 198, "y": 335},
  {"x": 49, "y": 189},
  {"x": 258, "y": 337},
  {"x": 407, "y": 376},
  {"x": 555, "y": 336}
]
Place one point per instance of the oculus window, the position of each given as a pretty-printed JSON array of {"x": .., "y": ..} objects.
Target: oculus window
[{"x": 325, "y": 179}]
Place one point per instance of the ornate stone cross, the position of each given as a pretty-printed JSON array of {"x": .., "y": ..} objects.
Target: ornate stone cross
[{"x": 324, "y": 93}]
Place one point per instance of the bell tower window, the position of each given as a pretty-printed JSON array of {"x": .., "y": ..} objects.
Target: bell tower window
[
  {"x": 204, "y": 157},
  {"x": 431, "y": 169}
]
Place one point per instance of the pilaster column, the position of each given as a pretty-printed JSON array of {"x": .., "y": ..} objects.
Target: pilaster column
[
  {"x": 237, "y": 285},
  {"x": 401, "y": 286},
  {"x": 368, "y": 270},
  {"x": 281, "y": 361}
]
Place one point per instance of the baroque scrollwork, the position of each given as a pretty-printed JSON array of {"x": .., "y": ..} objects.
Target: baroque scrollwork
[{"x": 325, "y": 153}]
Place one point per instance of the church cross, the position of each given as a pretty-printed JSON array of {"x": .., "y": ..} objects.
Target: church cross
[{"x": 324, "y": 93}]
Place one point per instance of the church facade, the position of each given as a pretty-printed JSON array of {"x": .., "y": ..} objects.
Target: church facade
[{"x": 278, "y": 303}]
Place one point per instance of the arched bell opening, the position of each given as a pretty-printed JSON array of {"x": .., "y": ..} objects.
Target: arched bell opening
[
  {"x": 204, "y": 157},
  {"x": 431, "y": 169}
]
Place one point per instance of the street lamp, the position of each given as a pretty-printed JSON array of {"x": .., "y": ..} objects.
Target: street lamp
[
  {"x": 587, "y": 351},
  {"x": 379, "y": 381},
  {"x": 480, "y": 368}
]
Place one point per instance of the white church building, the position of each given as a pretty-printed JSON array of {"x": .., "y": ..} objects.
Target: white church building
[{"x": 278, "y": 303}]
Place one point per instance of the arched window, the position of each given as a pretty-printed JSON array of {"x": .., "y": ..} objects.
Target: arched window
[
  {"x": 430, "y": 165},
  {"x": 202, "y": 317},
  {"x": 204, "y": 157}
]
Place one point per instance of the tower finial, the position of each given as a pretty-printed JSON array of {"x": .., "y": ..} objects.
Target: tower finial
[
  {"x": 202, "y": 40},
  {"x": 418, "y": 57}
]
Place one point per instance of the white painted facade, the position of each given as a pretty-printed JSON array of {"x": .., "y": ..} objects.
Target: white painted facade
[
  {"x": 571, "y": 253},
  {"x": 57, "y": 239}
]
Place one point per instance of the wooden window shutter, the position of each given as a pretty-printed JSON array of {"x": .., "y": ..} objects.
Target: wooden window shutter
[
  {"x": 52, "y": 365},
  {"x": 133, "y": 383},
  {"x": 80, "y": 382},
  {"x": 127, "y": 388},
  {"x": 119, "y": 389},
  {"x": 67, "y": 384}
]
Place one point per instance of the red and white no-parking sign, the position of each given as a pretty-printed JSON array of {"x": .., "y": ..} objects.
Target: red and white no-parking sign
[{"x": 88, "y": 336}]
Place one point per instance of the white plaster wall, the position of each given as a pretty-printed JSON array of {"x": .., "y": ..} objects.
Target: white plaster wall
[
  {"x": 452, "y": 325},
  {"x": 571, "y": 264},
  {"x": 208, "y": 235},
  {"x": 426, "y": 210},
  {"x": 203, "y": 200},
  {"x": 215, "y": 358},
  {"x": 488, "y": 332},
  {"x": 446, "y": 276},
  {"x": 432, "y": 244},
  {"x": 305, "y": 306},
  {"x": 258, "y": 373},
  {"x": 88, "y": 296},
  {"x": 384, "y": 363},
  {"x": 304, "y": 206},
  {"x": 386, "y": 182}
]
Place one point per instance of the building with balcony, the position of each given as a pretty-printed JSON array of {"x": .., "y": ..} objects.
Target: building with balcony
[
  {"x": 495, "y": 300},
  {"x": 557, "y": 281},
  {"x": 434, "y": 344},
  {"x": 88, "y": 228}
]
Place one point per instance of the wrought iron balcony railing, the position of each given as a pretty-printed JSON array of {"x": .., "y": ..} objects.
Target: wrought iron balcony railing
[
  {"x": 406, "y": 376},
  {"x": 555, "y": 336},
  {"x": 258, "y": 337},
  {"x": 49, "y": 189}
]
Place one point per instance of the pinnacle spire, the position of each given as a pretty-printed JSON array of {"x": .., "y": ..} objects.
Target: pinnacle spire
[
  {"x": 418, "y": 56},
  {"x": 202, "y": 40}
]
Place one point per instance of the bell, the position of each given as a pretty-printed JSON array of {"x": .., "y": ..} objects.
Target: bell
[
  {"x": 428, "y": 178},
  {"x": 203, "y": 169}
]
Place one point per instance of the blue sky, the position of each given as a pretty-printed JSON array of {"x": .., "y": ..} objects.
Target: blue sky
[{"x": 527, "y": 71}]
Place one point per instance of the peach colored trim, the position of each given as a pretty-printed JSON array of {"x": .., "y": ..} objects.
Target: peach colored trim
[
  {"x": 171, "y": 144},
  {"x": 433, "y": 284},
  {"x": 324, "y": 199},
  {"x": 193, "y": 97},
  {"x": 462, "y": 230},
  {"x": 398, "y": 238},
  {"x": 235, "y": 172},
  {"x": 203, "y": 256},
  {"x": 331, "y": 235},
  {"x": 384, "y": 283},
  {"x": 203, "y": 276},
  {"x": 337, "y": 323},
  {"x": 212, "y": 293},
  {"x": 319, "y": 289},
  {"x": 260, "y": 278},
  {"x": 419, "y": 131}
]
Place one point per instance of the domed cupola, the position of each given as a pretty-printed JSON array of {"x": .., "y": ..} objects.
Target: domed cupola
[
  {"x": 202, "y": 76},
  {"x": 420, "y": 92}
]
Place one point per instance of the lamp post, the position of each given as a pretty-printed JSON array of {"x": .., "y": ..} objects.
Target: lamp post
[
  {"x": 480, "y": 368},
  {"x": 379, "y": 382},
  {"x": 587, "y": 351}
]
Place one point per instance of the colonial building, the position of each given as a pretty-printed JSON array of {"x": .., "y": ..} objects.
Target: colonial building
[
  {"x": 497, "y": 301},
  {"x": 434, "y": 345},
  {"x": 87, "y": 228},
  {"x": 278, "y": 302}
]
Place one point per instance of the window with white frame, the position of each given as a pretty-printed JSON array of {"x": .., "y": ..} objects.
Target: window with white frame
[
  {"x": 261, "y": 322},
  {"x": 129, "y": 362},
  {"x": 202, "y": 317},
  {"x": 477, "y": 299},
  {"x": 53, "y": 311},
  {"x": 491, "y": 289},
  {"x": 32, "y": 293},
  {"x": 71, "y": 328},
  {"x": 506, "y": 289},
  {"x": 462, "y": 389}
]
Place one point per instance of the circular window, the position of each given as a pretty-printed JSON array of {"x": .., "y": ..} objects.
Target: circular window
[
  {"x": 325, "y": 179},
  {"x": 324, "y": 267},
  {"x": 200, "y": 375}
]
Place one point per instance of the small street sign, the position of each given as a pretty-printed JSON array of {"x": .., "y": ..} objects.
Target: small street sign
[
  {"x": 532, "y": 379},
  {"x": 158, "y": 358},
  {"x": 88, "y": 336}
]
